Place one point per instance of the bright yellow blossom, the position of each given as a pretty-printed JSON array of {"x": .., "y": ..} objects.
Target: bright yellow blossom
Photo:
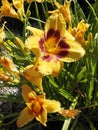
[
  {"x": 37, "y": 106},
  {"x": 79, "y": 32},
  {"x": 19, "y": 5},
  {"x": 7, "y": 9},
  {"x": 64, "y": 9},
  {"x": 52, "y": 47}
]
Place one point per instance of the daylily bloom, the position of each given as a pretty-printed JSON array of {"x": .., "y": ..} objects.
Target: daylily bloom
[
  {"x": 64, "y": 9},
  {"x": 19, "y": 5},
  {"x": 9, "y": 65},
  {"x": 37, "y": 106},
  {"x": 53, "y": 46},
  {"x": 8, "y": 10},
  {"x": 79, "y": 32}
]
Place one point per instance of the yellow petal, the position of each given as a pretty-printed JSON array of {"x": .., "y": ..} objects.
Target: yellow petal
[
  {"x": 83, "y": 26},
  {"x": 79, "y": 32},
  {"x": 18, "y": 4},
  {"x": 65, "y": 10},
  {"x": 80, "y": 37},
  {"x": 52, "y": 106},
  {"x": 31, "y": 43},
  {"x": 75, "y": 50},
  {"x": 56, "y": 22},
  {"x": 57, "y": 67},
  {"x": 31, "y": 73},
  {"x": 35, "y": 31},
  {"x": 42, "y": 117},
  {"x": 25, "y": 117},
  {"x": 7, "y": 10},
  {"x": 25, "y": 92},
  {"x": 52, "y": 67}
]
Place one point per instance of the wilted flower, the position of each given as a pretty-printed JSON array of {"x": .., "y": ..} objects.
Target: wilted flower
[
  {"x": 4, "y": 76},
  {"x": 69, "y": 113},
  {"x": 10, "y": 66}
]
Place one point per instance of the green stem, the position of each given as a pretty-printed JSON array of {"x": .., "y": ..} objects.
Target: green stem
[
  {"x": 28, "y": 9},
  {"x": 44, "y": 10},
  {"x": 38, "y": 20},
  {"x": 76, "y": 16},
  {"x": 24, "y": 29},
  {"x": 37, "y": 13},
  {"x": 12, "y": 34},
  {"x": 94, "y": 13}
]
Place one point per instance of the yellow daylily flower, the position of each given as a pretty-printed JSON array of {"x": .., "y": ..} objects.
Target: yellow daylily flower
[
  {"x": 8, "y": 10},
  {"x": 37, "y": 106},
  {"x": 9, "y": 65},
  {"x": 79, "y": 32},
  {"x": 53, "y": 46},
  {"x": 64, "y": 9},
  {"x": 19, "y": 5}
]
